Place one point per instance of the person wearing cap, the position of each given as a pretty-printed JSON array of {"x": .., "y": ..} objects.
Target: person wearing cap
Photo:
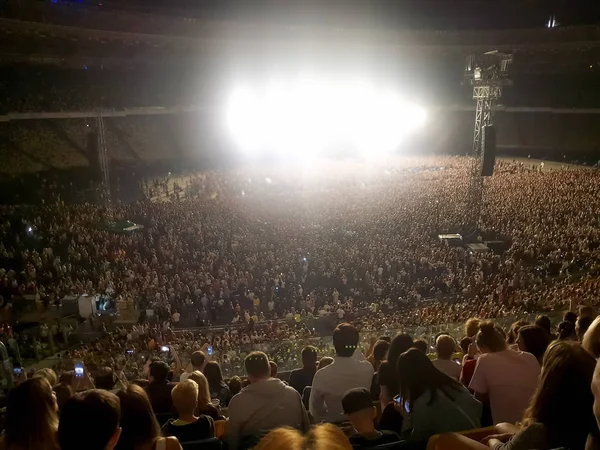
[{"x": 361, "y": 413}]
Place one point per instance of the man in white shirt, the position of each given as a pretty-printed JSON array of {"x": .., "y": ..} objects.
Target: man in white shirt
[
  {"x": 348, "y": 371},
  {"x": 444, "y": 347}
]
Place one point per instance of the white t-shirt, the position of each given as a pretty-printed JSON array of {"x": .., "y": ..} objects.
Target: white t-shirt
[
  {"x": 449, "y": 367},
  {"x": 509, "y": 378}
]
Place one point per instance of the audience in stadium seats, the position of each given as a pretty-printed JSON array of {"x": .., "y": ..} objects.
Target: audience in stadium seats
[
  {"x": 265, "y": 404},
  {"x": 159, "y": 389},
  {"x": 361, "y": 413},
  {"x": 90, "y": 420},
  {"x": 139, "y": 428},
  {"x": 197, "y": 361},
  {"x": 204, "y": 401},
  {"x": 436, "y": 402},
  {"x": 533, "y": 339},
  {"x": 321, "y": 437},
  {"x": 188, "y": 427},
  {"x": 349, "y": 370},
  {"x": 31, "y": 418},
  {"x": 504, "y": 378},
  {"x": 300, "y": 378},
  {"x": 560, "y": 414},
  {"x": 445, "y": 347},
  {"x": 218, "y": 388}
]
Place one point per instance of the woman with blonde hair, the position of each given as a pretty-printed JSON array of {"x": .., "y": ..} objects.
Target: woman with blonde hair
[
  {"x": 188, "y": 426},
  {"x": 204, "y": 401},
  {"x": 31, "y": 417},
  {"x": 321, "y": 437}
]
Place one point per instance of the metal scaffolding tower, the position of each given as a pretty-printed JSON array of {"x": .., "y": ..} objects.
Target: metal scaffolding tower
[
  {"x": 105, "y": 191},
  {"x": 488, "y": 74}
]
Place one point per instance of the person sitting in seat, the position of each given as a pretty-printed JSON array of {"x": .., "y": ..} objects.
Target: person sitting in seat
[
  {"x": 188, "y": 427},
  {"x": 267, "y": 403},
  {"x": 361, "y": 413},
  {"x": 300, "y": 378},
  {"x": 444, "y": 347}
]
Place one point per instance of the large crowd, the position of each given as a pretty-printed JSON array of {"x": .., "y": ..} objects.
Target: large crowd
[{"x": 240, "y": 275}]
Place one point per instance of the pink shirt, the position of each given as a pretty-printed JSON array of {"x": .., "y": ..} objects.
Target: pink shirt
[{"x": 510, "y": 378}]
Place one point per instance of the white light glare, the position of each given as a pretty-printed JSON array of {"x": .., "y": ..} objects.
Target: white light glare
[{"x": 309, "y": 116}]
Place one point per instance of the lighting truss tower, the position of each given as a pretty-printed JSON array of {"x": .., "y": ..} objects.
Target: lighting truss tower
[
  {"x": 488, "y": 74},
  {"x": 105, "y": 191}
]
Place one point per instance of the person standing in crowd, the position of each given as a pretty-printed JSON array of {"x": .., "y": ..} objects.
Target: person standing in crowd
[
  {"x": 348, "y": 371},
  {"x": 31, "y": 418},
  {"x": 533, "y": 339},
  {"x": 544, "y": 322},
  {"x": 506, "y": 379},
  {"x": 361, "y": 413},
  {"x": 591, "y": 339},
  {"x": 188, "y": 427},
  {"x": 582, "y": 325},
  {"x": 300, "y": 378},
  {"x": 159, "y": 389},
  {"x": 388, "y": 380},
  {"x": 445, "y": 346},
  {"x": 139, "y": 427},
  {"x": 205, "y": 405},
  {"x": 435, "y": 402},
  {"x": 198, "y": 361},
  {"x": 267, "y": 403},
  {"x": 561, "y": 413},
  {"x": 218, "y": 389},
  {"x": 90, "y": 420},
  {"x": 379, "y": 354}
]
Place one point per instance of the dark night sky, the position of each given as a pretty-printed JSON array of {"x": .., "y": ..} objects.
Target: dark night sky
[{"x": 436, "y": 14}]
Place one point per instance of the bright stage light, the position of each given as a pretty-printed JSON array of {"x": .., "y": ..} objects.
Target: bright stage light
[{"x": 309, "y": 116}]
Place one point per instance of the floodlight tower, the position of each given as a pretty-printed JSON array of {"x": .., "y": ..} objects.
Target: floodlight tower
[{"x": 488, "y": 73}]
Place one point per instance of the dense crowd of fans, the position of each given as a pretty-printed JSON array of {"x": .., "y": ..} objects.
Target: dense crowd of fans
[{"x": 263, "y": 262}]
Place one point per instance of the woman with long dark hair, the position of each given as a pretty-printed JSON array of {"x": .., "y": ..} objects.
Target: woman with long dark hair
[
  {"x": 140, "y": 429},
  {"x": 218, "y": 389},
  {"x": 561, "y": 410},
  {"x": 31, "y": 418},
  {"x": 388, "y": 379},
  {"x": 435, "y": 402}
]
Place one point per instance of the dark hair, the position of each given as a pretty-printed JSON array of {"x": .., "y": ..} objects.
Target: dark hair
[
  {"x": 582, "y": 325},
  {"x": 417, "y": 375},
  {"x": 380, "y": 350},
  {"x": 570, "y": 316},
  {"x": 345, "y": 340},
  {"x": 385, "y": 338},
  {"x": 159, "y": 370},
  {"x": 198, "y": 358},
  {"x": 105, "y": 379},
  {"x": 256, "y": 364},
  {"x": 489, "y": 337},
  {"x": 31, "y": 419},
  {"x": 137, "y": 419},
  {"x": 544, "y": 322},
  {"x": 89, "y": 419},
  {"x": 514, "y": 331},
  {"x": 212, "y": 372},
  {"x": 420, "y": 344},
  {"x": 563, "y": 401},
  {"x": 235, "y": 385},
  {"x": 63, "y": 393},
  {"x": 400, "y": 344},
  {"x": 464, "y": 344},
  {"x": 586, "y": 311},
  {"x": 309, "y": 356},
  {"x": 534, "y": 339},
  {"x": 273, "y": 369},
  {"x": 566, "y": 330}
]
